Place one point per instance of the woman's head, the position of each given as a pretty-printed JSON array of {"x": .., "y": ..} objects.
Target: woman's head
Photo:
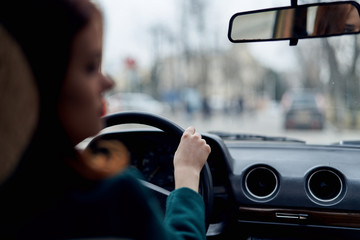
[
  {"x": 81, "y": 100},
  {"x": 62, "y": 41}
]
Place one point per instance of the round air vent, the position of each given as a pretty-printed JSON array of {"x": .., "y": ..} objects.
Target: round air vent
[
  {"x": 325, "y": 185},
  {"x": 261, "y": 182}
]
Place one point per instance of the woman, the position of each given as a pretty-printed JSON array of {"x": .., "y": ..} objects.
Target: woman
[
  {"x": 53, "y": 193},
  {"x": 336, "y": 19}
]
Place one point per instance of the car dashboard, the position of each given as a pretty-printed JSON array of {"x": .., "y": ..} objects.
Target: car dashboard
[
  {"x": 296, "y": 191},
  {"x": 263, "y": 190}
]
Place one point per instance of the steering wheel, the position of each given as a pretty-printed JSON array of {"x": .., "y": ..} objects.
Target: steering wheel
[{"x": 205, "y": 186}]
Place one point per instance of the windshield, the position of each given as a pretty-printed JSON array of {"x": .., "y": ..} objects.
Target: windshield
[{"x": 177, "y": 55}]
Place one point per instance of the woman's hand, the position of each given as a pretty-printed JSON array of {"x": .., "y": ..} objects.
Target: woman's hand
[{"x": 189, "y": 159}]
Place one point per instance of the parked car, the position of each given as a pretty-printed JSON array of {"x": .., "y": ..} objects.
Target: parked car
[{"x": 303, "y": 110}]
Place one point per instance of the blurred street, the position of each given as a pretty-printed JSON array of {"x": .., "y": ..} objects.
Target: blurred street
[
  {"x": 268, "y": 121},
  {"x": 187, "y": 61}
]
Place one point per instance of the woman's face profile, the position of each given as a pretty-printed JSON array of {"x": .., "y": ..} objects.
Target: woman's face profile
[{"x": 81, "y": 101}]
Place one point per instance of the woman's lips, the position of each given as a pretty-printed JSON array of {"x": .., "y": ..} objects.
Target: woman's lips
[{"x": 103, "y": 108}]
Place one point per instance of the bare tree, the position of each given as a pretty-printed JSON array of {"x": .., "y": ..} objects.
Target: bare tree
[
  {"x": 193, "y": 39},
  {"x": 344, "y": 79}
]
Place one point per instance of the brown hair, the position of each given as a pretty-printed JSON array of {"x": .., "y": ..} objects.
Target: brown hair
[
  {"x": 45, "y": 31},
  {"x": 331, "y": 19}
]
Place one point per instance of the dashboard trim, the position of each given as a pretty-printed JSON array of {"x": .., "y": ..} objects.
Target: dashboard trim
[{"x": 300, "y": 216}]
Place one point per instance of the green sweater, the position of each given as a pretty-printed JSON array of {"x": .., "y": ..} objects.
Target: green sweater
[
  {"x": 184, "y": 217},
  {"x": 116, "y": 208}
]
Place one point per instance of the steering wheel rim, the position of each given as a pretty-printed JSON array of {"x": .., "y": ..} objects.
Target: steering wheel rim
[{"x": 164, "y": 124}]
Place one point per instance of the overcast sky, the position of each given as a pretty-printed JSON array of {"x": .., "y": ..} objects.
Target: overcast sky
[{"x": 127, "y": 23}]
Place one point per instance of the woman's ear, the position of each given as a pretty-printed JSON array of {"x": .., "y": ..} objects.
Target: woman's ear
[{"x": 19, "y": 104}]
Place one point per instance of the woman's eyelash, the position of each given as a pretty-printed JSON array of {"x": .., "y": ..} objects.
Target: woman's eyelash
[
  {"x": 92, "y": 67},
  {"x": 349, "y": 28}
]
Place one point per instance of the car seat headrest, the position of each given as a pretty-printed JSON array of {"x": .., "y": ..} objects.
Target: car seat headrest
[{"x": 19, "y": 104}]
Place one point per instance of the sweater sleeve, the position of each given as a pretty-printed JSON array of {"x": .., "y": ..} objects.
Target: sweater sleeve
[{"x": 185, "y": 214}]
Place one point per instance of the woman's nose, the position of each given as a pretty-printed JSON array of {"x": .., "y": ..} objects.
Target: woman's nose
[{"x": 108, "y": 82}]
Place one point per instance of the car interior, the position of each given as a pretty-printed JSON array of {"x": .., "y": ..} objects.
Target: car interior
[{"x": 257, "y": 186}]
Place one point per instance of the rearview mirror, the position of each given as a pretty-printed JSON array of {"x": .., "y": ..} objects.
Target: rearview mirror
[{"x": 296, "y": 22}]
